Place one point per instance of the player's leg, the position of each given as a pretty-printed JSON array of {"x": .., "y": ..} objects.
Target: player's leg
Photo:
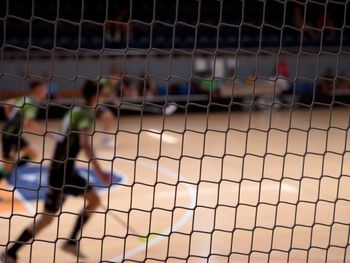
[
  {"x": 91, "y": 204},
  {"x": 108, "y": 119},
  {"x": 9, "y": 143},
  {"x": 53, "y": 202},
  {"x": 41, "y": 222},
  {"x": 6, "y": 167},
  {"x": 108, "y": 124},
  {"x": 27, "y": 152}
]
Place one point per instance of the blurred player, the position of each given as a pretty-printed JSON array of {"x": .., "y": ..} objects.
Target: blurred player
[
  {"x": 111, "y": 86},
  {"x": 111, "y": 90},
  {"x": 146, "y": 86},
  {"x": 21, "y": 113},
  {"x": 77, "y": 126}
]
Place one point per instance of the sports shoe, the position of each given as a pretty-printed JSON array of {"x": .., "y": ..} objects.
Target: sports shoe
[
  {"x": 72, "y": 248},
  {"x": 6, "y": 258},
  {"x": 170, "y": 109}
]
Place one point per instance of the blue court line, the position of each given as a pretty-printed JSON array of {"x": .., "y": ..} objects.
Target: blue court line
[{"x": 32, "y": 181}]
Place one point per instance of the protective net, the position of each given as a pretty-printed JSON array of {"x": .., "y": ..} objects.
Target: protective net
[{"x": 222, "y": 125}]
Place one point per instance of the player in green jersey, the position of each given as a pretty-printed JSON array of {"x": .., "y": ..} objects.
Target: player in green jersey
[
  {"x": 111, "y": 91},
  {"x": 76, "y": 129},
  {"x": 21, "y": 113}
]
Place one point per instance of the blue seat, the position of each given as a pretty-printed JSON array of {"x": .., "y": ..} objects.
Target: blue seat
[
  {"x": 184, "y": 89},
  {"x": 161, "y": 91}
]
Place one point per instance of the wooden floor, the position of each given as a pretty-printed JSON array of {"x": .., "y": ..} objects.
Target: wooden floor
[{"x": 258, "y": 187}]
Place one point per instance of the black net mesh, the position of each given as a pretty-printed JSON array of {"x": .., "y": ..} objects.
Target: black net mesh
[{"x": 229, "y": 145}]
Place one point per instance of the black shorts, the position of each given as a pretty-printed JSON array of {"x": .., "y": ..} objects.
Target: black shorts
[
  {"x": 12, "y": 143},
  {"x": 58, "y": 190}
]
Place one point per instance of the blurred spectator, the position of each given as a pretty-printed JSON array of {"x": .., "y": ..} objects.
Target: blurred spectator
[
  {"x": 303, "y": 87},
  {"x": 211, "y": 85},
  {"x": 250, "y": 78},
  {"x": 282, "y": 75},
  {"x": 326, "y": 82},
  {"x": 230, "y": 76},
  {"x": 283, "y": 68},
  {"x": 328, "y": 22},
  {"x": 231, "y": 73},
  {"x": 117, "y": 28},
  {"x": 174, "y": 89},
  {"x": 208, "y": 85},
  {"x": 52, "y": 89},
  {"x": 128, "y": 89},
  {"x": 306, "y": 23},
  {"x": 146, "y": 87},
  {"x": 111, "y": 86},
  {"x": 111, "y": 90},
  {"x": 194, "y": 88},
  {"x": 51, "y": 86},
  {"x": 342, "y": 82},
  {"x": 313, "y": 21}
]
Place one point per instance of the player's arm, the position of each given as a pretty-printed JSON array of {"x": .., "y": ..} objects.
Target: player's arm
[
  {"x": 115, "y": 100},
  {"x": 8, "y": 106},
  {"x": 33, "y": 126},
  {"x": 86, "y": 147},
  {"x": 30, "y": 113},
  {"x": 109, "y": 92}
]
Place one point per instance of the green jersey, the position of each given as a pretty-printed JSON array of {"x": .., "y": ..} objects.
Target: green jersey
[
  {"x": 79, "y": 119},
  {"x": 24, "y": 108},
  {"x": 107, "y": 87},
  {"x": 209, "y": 84}
]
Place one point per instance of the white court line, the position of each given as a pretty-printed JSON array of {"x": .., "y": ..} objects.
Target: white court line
[
  {"x": 214, "y": 190},
  {"x": 191, "y": 192},
  {"x": 181, "y": 222},
  {"x": 27, "y": 205},
  {"x": 30, "y": 208},
  {"x": 284, "y": 188},
  {"x": 171, "y": 139}
]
